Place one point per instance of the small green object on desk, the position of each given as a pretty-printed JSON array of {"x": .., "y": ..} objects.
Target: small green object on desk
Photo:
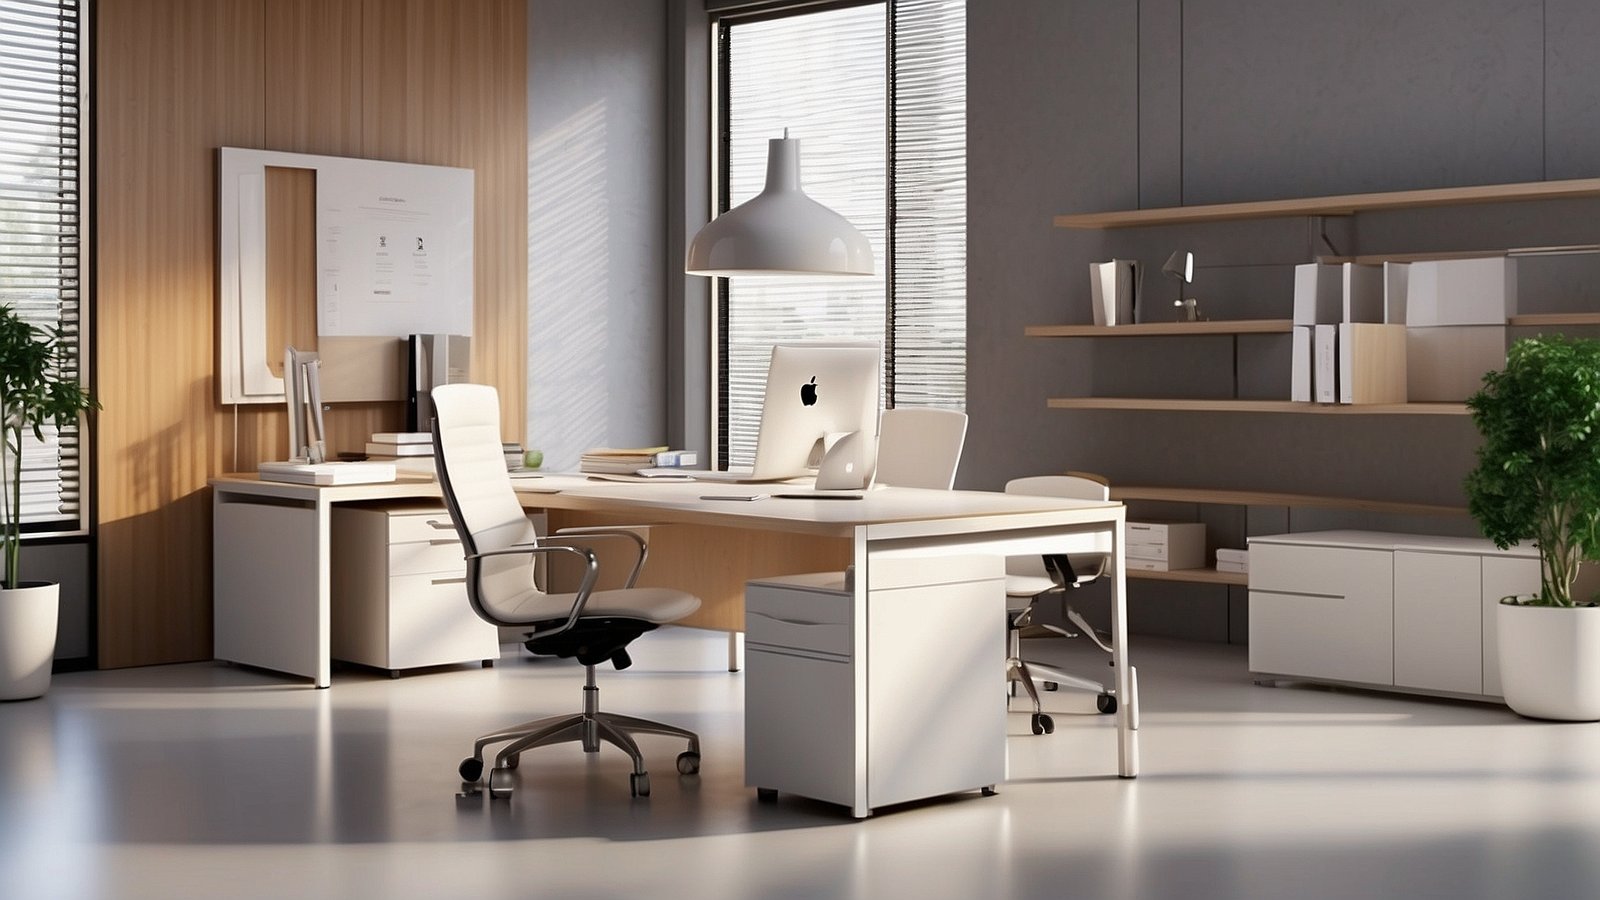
[{"x": 533, "y": 459}]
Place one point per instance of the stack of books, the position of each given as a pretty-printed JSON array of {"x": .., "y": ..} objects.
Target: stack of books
[
  {"x": 614, "y": 461},
  {"x": 1237, "y": 561},
  {"x": 410, "y": 451},
  {"x": 326, "y": 473},
  {"x": 513, "y": 452}
]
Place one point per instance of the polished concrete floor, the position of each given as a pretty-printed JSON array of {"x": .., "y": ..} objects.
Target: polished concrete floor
[{"x": 209, "y": 781}]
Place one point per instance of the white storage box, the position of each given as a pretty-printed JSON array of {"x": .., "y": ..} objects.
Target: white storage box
[
  {"x": 1461, "y": 292},
  {"x": 1165, "y": 546},
  {"x": 1447, "y": 364}
]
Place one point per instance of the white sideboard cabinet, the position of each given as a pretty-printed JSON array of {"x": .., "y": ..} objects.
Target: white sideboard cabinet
[
  {"x": 1401, "y": 611},
  {"x": 399, "y": 597}
]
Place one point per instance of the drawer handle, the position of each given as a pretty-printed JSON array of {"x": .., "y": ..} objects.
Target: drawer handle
[
  {"x": 802, "y": 623},
  {"x": 441, "y": 526},
  {"x": 461, "y": 580},
  {"x": 441, "y": 542}
]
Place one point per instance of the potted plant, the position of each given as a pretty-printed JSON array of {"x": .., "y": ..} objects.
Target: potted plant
[
  {"x": 33, "y": 392},
  {"x": 1538, "y": 479}
]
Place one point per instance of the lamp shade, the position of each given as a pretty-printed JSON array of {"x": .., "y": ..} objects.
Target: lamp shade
[{"x": 780, "y": 231}]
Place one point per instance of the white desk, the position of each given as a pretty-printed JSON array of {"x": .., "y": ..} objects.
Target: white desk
[{"x": 272, "y": 571}]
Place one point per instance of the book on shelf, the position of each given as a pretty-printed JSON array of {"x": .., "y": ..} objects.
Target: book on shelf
[
  {"x": 384, "y": 448},
  {"x": 402, "y": 437}
]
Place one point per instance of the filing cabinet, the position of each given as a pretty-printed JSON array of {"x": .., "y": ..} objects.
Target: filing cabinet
[{"x": 399, "y": 598}]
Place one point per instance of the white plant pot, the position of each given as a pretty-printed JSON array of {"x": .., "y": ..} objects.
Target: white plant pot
[
  {"x": 1550, "y": 661},
  {"x": 27, "y": 639}
]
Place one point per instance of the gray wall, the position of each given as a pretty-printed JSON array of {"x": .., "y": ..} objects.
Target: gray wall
[
  {"x": 597, "y": 226},
  {"x": 1083, "y": 105}
]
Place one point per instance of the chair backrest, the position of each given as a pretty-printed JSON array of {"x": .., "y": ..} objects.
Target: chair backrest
[
  {"x": 1072, "y": 487},
  {"x": 920, "y": 447},
  {"x": 477, "y": 490}
]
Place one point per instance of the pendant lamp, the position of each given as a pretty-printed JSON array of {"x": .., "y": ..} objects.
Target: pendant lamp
[{"x": 780, "y": 231}]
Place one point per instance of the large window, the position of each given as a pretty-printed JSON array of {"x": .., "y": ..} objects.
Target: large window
[
  {"x": 40, "y": 196},
  {"x": 877, "y": 95}
]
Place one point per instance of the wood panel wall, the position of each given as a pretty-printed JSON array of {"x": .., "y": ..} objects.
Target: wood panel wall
[{"x": 405, "y": 80}]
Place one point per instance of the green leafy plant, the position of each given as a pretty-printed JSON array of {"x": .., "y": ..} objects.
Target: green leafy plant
[
  {"x": 33, "y": 393},
  {"x": 1538, "y": 472}
]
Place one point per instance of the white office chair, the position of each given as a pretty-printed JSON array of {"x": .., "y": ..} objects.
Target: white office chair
[
  {"x": 920, "y": 447},
  {"x": 502, "y": 552},
  {"x": 1031, "y": 577}
]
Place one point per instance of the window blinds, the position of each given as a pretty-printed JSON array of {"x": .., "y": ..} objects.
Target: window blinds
[
  {"x": 928, "y": 308},
  {"x": 875, "y": 137},
  {"x": 822, "y": 76},
  {"x": 39, "y": 220}
]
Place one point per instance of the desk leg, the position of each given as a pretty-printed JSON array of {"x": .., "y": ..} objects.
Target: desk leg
[
  {"x": 1127, "y": 694},
  {"x": 735, "y": 651}
]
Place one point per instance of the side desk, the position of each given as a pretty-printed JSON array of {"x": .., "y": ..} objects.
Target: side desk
[{"x": 272, "y": 569}]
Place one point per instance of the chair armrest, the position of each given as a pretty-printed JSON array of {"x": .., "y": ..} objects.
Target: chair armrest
[
  {"x": 591, "y": 572},
  {"x": 603, "y": 531}
]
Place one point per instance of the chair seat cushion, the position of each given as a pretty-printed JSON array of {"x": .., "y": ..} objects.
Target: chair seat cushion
[{"x": 658, "y": 605}]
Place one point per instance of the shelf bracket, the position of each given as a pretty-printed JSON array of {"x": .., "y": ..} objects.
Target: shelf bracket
[{"x": 1321, "y": 224}]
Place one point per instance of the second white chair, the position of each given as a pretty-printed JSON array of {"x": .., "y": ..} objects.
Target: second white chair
[
  {"x": 1031, "y": 577},
  {"x": 920, "y": 447}
]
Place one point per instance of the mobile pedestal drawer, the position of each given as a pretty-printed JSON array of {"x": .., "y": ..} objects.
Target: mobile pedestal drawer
[
  {"x": 399, "y": 590},
  {"x": 909, "y": 707}
]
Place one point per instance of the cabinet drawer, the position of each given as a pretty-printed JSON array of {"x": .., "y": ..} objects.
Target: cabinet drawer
[
  {"x": 432, "y": 624},
  {"x": 797, "y": 617},
  {"x": 411, "y": 528},
  {"x": 1347, "y": 637},
  {"x": 799, "y": 725},
  {"x": 1313, "y": 569},
  {"x": 440, "y": 555}
]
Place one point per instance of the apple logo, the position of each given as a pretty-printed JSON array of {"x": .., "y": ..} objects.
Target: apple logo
[{"x": 808, "y": 393}]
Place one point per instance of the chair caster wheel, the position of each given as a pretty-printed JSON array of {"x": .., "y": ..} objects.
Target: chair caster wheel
[
  {"x": 1043, "y": 724},
  {"x": 1051, "y": 686},
  {"x": 989, "y": 790},
  {"x": 688, "y": 763},
  {"x": 500, "y": 784},
  {"x": 513, "y": 762},
  {"x": 471, "y": 769},
  {"x": 767, "y": 795},
  {"x": 639, "y": 784},
  {"x": 1106, "y": 703}
]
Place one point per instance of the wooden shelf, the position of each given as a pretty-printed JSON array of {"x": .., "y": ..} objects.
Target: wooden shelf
[
  {"x": 1272, "y": 498},
  {"x": 1195, "y": 576},
  {"x": 1260, "y": 406},
  {"x": 1150, "y": 329},
  {"x": 1543, "y": 319},
  {"x": 1342, "y": 205}
]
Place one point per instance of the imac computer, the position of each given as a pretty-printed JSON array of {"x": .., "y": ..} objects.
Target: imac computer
[{"x": 819, "y": 415}]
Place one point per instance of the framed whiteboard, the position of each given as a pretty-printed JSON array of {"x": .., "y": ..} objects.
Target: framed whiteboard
[{"x": 394, "y": 257}]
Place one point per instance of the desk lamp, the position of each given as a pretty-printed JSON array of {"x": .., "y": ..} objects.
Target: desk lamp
[{"x": 1180, "y": 265}]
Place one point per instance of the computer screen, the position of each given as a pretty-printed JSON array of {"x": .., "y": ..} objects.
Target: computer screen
[{"x": 817, "y": 394}]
